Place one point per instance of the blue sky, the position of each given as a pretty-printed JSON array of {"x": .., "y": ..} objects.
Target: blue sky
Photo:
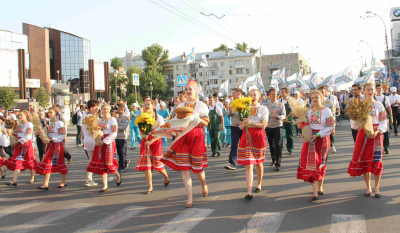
[{"x": 327, "y": 32}]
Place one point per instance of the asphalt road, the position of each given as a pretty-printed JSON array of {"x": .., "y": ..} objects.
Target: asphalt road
[{"x": 284, "y": 205}]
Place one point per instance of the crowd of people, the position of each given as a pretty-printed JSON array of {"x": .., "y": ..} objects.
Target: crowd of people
[{"x": 270, "y": 122}]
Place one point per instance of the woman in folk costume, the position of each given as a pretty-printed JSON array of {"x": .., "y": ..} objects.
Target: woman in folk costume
[
  {"x": 312, "y": 164},
  {"x": 367, "y": 156},
  {"x": 53, "y": 161},
  {"x": 253, "y": 142},
  {"x": 4, "y": 143},
  {"x": 103, "y": 161},
  {"x": 24, "y": 153},
  {"x": 188, "y": 152},
  {"x": 151, "y": 150}
]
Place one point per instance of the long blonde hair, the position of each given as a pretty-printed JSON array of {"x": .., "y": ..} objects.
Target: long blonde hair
[
  {"x": 321, "y": 96},
  {"x": 259, "y": 94},
  {"x": 154, "y": 111}
]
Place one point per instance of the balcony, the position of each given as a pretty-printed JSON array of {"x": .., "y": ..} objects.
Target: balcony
[
  {"x": 214, "y": 68},
  {"x": 214, "y": 85},
  {"x": 273, "y": 67},
  {"x": 192, "y": 70},
  {"x": 393, "y": 53},
  {"x": 213, "y": 77},
  {"x": 239, "y": 66},
  {"x": 170, "y": 80}
]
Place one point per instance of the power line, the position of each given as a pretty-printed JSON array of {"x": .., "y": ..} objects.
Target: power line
[
  {"x": 383, "y": 14},
  {"x": 189, "y": 20}
]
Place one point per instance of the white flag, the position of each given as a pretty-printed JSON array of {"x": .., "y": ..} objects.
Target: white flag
[
  {"x": 204, "y": 61},
  {"x": 343, "y": 77},
  {"x": 369, "y": 78},
  {"x": 223, "y": 90},
  {"x": 191, "y": 57}
]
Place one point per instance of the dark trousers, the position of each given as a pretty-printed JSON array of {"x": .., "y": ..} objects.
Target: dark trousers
[
  {"x": 354, "y": 133},
  {"x": 9, "y": 150},
  {"x": 41, "y": 147},
  {"x": 298, "y": 130},
  {"x": 396, "y": 118},
  {"x": 332, "y": 137},
  {"x": 288, "y": 127},
  {"x": 79, "y": 135},
  {"x": 121, "y": 151},
  {"x": 236, "y": 134},
  {"x": 274, "y": 136},
  {"x": 386, "y": 139}
]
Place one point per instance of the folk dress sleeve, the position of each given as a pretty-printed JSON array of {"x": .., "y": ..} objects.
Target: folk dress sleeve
[
  {"x": 26, "y": 135},
  {"x": 112, "y": 128},
  {"x": 59, "y": 132}
]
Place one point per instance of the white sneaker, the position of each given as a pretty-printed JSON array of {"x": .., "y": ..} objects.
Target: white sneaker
[
  {"x": 333, "y": 149},
  {"x": 90, "y": 183},
  {"x": 110, "y": 178}
]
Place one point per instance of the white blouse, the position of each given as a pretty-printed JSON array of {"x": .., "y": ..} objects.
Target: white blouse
[
  {"x": 324, "y": 121},
  {"x": 259, "y": 114},
  {"x": 24, "y": 132},
  {"x": 4, "y": 137},
  {"x": 56, "y": 131},
  {"x": 379, "y": 116},
  {"x": 109, "y": 127},
  {"x": 200, "y": 109}
]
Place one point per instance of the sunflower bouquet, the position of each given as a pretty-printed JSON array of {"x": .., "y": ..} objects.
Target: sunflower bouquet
[
  {"x": 94, "y": 130},
  {"x": 145, "y": 122},
  {"x": 242, "y": 106},
  {"x": 38, "y": 128},
  {"x": 359, "y": 111},
  {"x": 299, "y": 110}
]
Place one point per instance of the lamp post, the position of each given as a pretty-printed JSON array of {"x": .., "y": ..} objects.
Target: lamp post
[
  {"x": 151, "y": 90},
  {"x": 120, "y": 88},
  {"x": 372, "y": 52},
  {"x": 110, "y": 94},
  {"x": 294, "y": 49},
  {"x": 115, "y": 82},
  {"x": 58, "y": 76},
  {"x": 29, "y": 93},
  {"x": 365, "y": 64},
  {"x": 173, "y": 81},
  {"x": 10, "y": 78},
  {"x": 387, "y": 46}
]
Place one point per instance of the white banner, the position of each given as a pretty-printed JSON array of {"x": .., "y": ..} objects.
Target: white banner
[
  {"x": 9, "y": 63},
  {"x": 99, "y": 82}
]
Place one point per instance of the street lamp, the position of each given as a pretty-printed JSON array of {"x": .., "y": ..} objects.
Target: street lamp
[
  {"x": 294, "y": 49},
  {"x": 372, "y": 52},
  {"x": 173, "y": 81},
  {"x": 151, "y": 90},
  {"x": 10, "y": 78},
  {"x": 365, "y": 64},
  {"x": 387, "y": 46},
  {"x": 115, "y": 82},
  {"x": 29, "y": 94},
  {"x": 58, "y": 76}
]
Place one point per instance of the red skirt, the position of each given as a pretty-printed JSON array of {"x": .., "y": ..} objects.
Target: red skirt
[
  {"x": 1, "y": 161},
  {"x": 252, "y": 147},
  {"x": 23, "y": 157},
  {"x": 367, "y": 156},
  {"x": 188, "y": 153},
  {"x": 53, "y": 160},
  {"x": 312, "y": 164},
  {"x": 150, "y": 159},
  {"x": 104, "y": 159}
]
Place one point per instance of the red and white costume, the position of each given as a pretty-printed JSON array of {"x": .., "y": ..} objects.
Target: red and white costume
[
  {"x": 104, "y": 159},
  {"x": 252, "y": 145},
  {"x": 53, "y": 160},
  {"x": 24, "y": 152},
  {"x": 312, "y": 164},
  {"x": 188, "y": 151},
  {"x": 4, "y": 142},
  {"x": 150, "y": 157},
  {"x": 367, "y": 156}
]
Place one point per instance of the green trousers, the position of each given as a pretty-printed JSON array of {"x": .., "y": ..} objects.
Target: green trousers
[
  {"x": 288, "y": 130},
  {"x": 386, "y": 138},
  {"x": 332, "y": 140},
  {"x": 215, "y": 140}
]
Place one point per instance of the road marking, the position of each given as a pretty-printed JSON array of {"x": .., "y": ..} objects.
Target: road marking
[
  {"x": 185, "y": 221},
  {"x": 18, "y": 208},
  {"x": 215, "y": 198},
  {"x": 49, "y": 218},
  {"x": 348, "y": 223},
  {"x": 112, "y": 221},
  {"x": 264, "y": 222}
]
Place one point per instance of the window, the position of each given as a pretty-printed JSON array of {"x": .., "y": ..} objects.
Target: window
[
  {"x": 184, "y": 67},
  {"x": 200, "y": 74},
  {"x": 222, "y": 63},
  {"x": 222, "y": 72},
  {"x": 237, "y": 79},
  {"x": 201, "y": 83},
  {"x": 247, "y": 71},
  {"x": 177, "y": 67},
  {"x": 287, "y": 63},
  {"x": 230, "y": 63},
  {"x": 239, "y": 71},
  {"x": 214, "y": 64},
  {"x": 270, "y": 63},
  {"x": 230, "y": 81},
  {"x": 214, "y": 81},
  {"x": 213, "y": 73},
  {"x": 176, "y": 76},
  {"x": 230, "y": 72},
  {"x": 207, "y": 73},
  {"x": 239, "y": 62},
  {"x": 247, "y": 61}
]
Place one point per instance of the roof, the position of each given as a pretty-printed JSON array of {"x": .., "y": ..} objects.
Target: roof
[{"x": 215, "y": 55}]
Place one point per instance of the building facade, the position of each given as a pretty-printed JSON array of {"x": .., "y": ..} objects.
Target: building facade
[
  {"x": 223, "y": 66},
  {"x": 293, "y": 63},
  {"x": 131, "y": 59}
]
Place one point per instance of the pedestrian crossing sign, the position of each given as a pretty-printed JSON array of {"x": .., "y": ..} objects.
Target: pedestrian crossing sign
[
  {"x": 135, "y": 80},
  {"x": 182, "y": 80}
]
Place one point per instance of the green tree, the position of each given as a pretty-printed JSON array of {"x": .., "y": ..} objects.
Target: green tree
[
  {"x": 241, "y": 47},
  {"x": 132, "y": 99},
  {"x": 158, "y": 82},
  {"x": 115, "y": 63},
  {"x": 133, "y": 70},
  {"x": 222, "y": 47},
  {"x": 155, "y": 57},
  {"x": 121, "y": 79},
  {"x": 42, "y": 97},
  {"x": 8, "y": 97},
  {"x": 254, "y": 51}
]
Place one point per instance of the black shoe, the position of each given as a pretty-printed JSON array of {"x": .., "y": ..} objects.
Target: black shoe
[
  {"x": 291, "y": 152},
  {"x": 387, "y": 151},
  {"x": 120, "y": 180},
  {"x": 47, "y": 188},
  {"x": 132, "y": 148},
  {"x": 257, "y": 190},
  {"x": 248, "y": 197},
  {"x": 120, "y": 170},
  {"x": 127, "y": 162},
  {"x": 321, "y": 193},
  {"x": 213, "y": 155},
  {"x": 377, "y": 195},
  {"x": 395, "y": 134},
  {"x": 218, "y": 154},
  {"x": 272, "y": 164},
  {"x": 228, "y": 145},
  {"x": 223, "y": 145},
  {"x": 166, "y": 184},
  {"x": 3, "y": 176},
  {"x": 148, "y": 192},
  {"x": 315, "y": 199},
  {"x": 103, "y": 190},
  {"x": 60, "y": 187},
  {"x": 277, "y": 168},
  {"x": 367, "y": 194},
  {"x": 12, "y": 183}
]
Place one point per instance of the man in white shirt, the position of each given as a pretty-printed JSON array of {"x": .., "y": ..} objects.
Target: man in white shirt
[
  {"x": 1, "y": 110},
  {"x": 394, "y": 99},
  {"x": 88, "y": 141},
  {"x": 12, "y": 116},
  {"x": 215, "y": 127},
  {"x": 386, "y": 103},
  {"x": 329, "y": 103},
  {"x": 155, "y": 101},
  {"x": 217, "y": 102},
  {"x": 79, "y": 114}
]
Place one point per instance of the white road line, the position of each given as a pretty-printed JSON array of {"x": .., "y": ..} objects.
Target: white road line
[
  {"x": 215, "y": 198},
  {"x": 18, "y": 208},
  {"x": 112, "y": 221},
  {"x": 185, "y": 221},
  {"x": 49, "y": 218},
  {"x": 264, "y": 222},
  {"x": 348, "y": 223}
]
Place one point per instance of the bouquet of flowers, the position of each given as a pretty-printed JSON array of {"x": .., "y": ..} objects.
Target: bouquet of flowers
[
  {"x": 92, "y": 124},
  {"x": 299, "y": 110},
  {"x": 38, "y": 128},
  {"x": 359, "y": 111},
  {"x": 145, "y": 122},
  {"x": 242, "y": 106}
]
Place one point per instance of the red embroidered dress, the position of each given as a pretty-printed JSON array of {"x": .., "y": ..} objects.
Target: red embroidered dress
[
  {"x": 252, "y": 146},
  {"x": 312, "y": 164},
  {"x": 367, "y": 156},
  {"x": 24, "y": 153},
  {"x": 104, "y": 159},
  {"x": 54, "y": 160},
  {"x": 189, "y": 151}
]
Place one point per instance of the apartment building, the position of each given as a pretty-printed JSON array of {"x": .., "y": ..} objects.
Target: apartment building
[
  {"x": 293, "y": 63},
  {"x": 223, "y": 66},
  {"x": 131, "y": 59}
]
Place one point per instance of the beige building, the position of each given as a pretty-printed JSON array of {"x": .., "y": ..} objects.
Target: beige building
[
  {"x": 223, "y": 66},
  {"x": 131, "y": 59},
  {"x": 293, "y": 63}
]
